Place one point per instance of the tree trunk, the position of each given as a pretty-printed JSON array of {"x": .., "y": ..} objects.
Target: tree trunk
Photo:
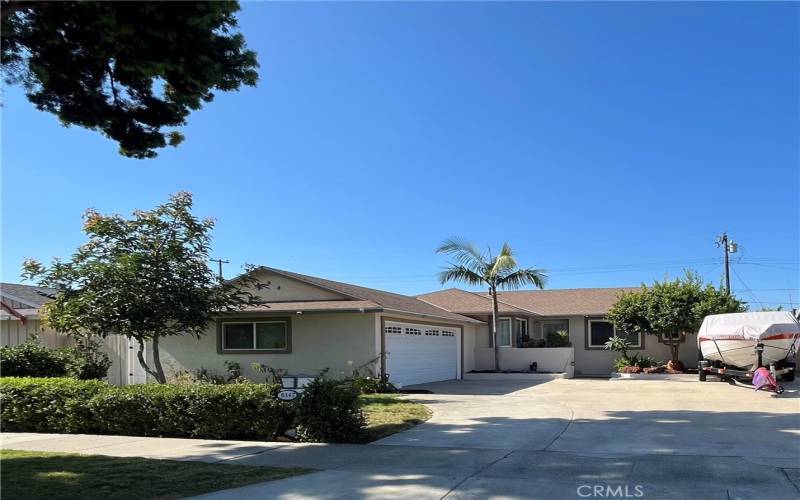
[
  {"x": 673, "y": 348},
  {"x": 157, "y": 371},
  {"x": 493, "y": 292}
]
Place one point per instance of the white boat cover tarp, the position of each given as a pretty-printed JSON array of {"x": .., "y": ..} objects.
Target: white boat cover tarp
[{"x": 749, "y": 325}]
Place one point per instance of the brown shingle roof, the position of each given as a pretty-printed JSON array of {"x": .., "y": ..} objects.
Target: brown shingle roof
[
  {"x": 315, "y": 306},
  {"x": 565, "y": 302},
  {"x": 577, "y": 301},
  {"x": 386, "y": 300},
  {"x": 463, "y": 302}
]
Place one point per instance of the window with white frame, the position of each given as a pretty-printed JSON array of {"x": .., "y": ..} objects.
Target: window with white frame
[
  {"x": 521, "y": 328},
  {"x": 504, "y": 332},
  {"x": 600, "y": 331},
  {"x": 261, "y": 335},
  {"x": 672, "y": 337}
]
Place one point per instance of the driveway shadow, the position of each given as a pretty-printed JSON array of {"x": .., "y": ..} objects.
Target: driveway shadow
[{"x": 476, "y": 387}]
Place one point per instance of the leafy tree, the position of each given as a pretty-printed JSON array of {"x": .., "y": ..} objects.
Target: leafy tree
[
  {"x": 145, "y": 278},
  {"x": 671, "y": 309},
  {"x": 495, "y": 272},
  {"x": 126, "y": 69}
]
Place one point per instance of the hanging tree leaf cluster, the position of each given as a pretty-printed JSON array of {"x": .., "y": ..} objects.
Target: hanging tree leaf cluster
[{"x": 133, "y": 71}]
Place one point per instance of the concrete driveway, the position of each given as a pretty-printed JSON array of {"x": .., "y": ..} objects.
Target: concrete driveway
[
  {"x": 613, "y": 418},
  {"x": 560, "y": 439}
]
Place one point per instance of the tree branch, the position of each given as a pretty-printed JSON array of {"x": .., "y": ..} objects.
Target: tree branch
[{"x": 113, "y": 86}]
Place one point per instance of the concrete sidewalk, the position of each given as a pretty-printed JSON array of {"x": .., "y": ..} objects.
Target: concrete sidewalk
[{"x": 371, "y": 471}]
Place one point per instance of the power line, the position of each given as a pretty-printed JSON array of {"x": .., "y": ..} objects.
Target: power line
[{"x": 746, "y": 287}]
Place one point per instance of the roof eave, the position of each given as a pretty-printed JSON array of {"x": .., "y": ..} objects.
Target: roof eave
[{"x": 464, "y": 319}]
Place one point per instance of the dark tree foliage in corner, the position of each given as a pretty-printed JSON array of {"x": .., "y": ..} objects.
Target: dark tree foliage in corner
[{"x": 126, "y": 69}]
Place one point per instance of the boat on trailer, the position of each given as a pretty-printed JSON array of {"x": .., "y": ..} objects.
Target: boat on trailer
[{"x": 735, "y": 345}]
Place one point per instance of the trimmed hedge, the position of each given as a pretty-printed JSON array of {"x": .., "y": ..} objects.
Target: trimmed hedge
[
  {"x": 236, "y": 411},
  {"x": 48, "y": 404}
]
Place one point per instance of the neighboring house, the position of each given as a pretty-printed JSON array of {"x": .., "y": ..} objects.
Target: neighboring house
[
  {"x": 535, "y": 313},
  {"x": 19, "y": 315},
  {"x": 310, "y": 324}
]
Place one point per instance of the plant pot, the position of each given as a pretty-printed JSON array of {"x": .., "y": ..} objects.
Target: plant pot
[{"x": 676, "y": 366}]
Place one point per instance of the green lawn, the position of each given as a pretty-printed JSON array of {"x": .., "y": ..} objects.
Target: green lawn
[
  {"x": 387, "y": 414},
  {"x": 34, "y": 475}
]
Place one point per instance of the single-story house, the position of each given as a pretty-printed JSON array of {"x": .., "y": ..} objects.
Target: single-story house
[{"x": 308, "y": 324}]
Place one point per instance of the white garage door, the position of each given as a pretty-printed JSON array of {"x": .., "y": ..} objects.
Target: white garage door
[{"x": 419, "y": 353}]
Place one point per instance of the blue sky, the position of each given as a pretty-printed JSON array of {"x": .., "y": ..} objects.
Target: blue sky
[{"x": 608, "y": 143}]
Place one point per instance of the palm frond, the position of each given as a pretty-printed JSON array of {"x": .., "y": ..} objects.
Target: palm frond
[
  {"x": 461, "y": 274},
  {"x": 521, "y": 277},
  {"x": 464, "y": 253},
  {"x": 504, "y": 262}
]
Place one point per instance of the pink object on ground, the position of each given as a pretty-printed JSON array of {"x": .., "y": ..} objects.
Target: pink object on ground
[{"x": 763, "y": 379}]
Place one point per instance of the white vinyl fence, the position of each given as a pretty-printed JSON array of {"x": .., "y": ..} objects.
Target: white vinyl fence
[{"x": 125, "y": 367}]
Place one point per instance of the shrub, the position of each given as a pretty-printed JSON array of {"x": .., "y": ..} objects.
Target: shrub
[
  {"x": 621, "y": 363},
  {"x": 329, "y": 411},
  {"x": 558, "y": 339},
  {"x": 87, "y": 361},
  {"x": 48, "y": 404},
  {"x": 244, "y": 411},
  {"x": 373, "y": 385},
  {"x": 198, "y": 376},
  {"x": 31, "y": 359}
]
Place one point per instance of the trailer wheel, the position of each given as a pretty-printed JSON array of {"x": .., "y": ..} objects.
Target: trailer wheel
[{"x": 789, "y": 376}]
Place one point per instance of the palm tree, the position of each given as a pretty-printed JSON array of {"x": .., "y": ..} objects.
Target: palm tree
[{"x": 472, "y": 267}]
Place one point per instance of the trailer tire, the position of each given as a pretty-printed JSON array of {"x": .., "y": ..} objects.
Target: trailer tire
[{"x": 789, "y": 376}]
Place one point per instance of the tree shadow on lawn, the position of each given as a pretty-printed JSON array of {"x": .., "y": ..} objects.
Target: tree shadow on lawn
[{"x": 37, "y": 475}]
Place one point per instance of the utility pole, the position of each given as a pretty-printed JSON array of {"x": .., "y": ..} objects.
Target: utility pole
[
  {"x": 220, "y": 262},
  {"x": 728, "y": 247}
]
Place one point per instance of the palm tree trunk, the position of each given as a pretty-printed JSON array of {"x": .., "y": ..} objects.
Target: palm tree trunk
[{"x": 493, "y": 292}]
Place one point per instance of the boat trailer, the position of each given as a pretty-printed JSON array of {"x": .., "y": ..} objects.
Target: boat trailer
[{"x": 705, "y": 368}]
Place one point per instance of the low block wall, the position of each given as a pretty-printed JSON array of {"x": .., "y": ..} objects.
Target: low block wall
[{"x": 548, "y": 359}]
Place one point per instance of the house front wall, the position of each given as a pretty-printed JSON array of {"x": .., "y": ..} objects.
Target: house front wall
[
  {"x": 594, "y": 361},
  {"x": 339, "y": 342},
  {"x": 587, "y": 361}
]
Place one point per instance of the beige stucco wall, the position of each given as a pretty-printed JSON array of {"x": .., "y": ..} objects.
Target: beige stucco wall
[
  {"x": 549, "y": 359},
  {"x": 319, "y": 341},
  {"x": 600, "y": 362},
  {"x": 285, "y": 289}
]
